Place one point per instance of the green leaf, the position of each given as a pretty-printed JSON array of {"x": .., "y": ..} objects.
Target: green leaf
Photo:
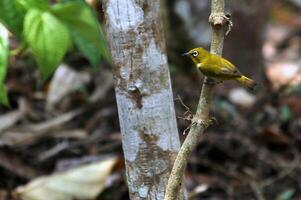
[
  {"x": 3, "y": 96},
  {"x": 48, "y": 38},
  {"x": 33, "y": 4},
  {"x": 84, "y": 28},
  {"x": 80, "y": 1},
  {"x": 285, "y": 113},
  {"x": 286, "y": 195},
  {"x": 293, "y": 90},
  {"x": 12, "y": 16},
  {"x": 3, "y": 62}
]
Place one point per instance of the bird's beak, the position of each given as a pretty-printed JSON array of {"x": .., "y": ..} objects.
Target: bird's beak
[{"x": 186, "y": 54}]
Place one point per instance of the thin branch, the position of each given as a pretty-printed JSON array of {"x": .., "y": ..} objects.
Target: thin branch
[
  {"x": 220, "y": 24},
  {"x": 288, "y": 170}
]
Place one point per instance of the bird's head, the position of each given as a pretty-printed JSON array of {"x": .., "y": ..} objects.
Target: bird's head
[{"x": 197, "y": 54}]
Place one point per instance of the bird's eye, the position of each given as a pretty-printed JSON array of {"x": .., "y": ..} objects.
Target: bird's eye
[{"x": 195, "y": 53}]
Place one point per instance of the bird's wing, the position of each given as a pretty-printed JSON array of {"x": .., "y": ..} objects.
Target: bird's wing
[
  {"x": 227, "y": 69},
  {"x": 220, "y": 67},
  {"x": 227, "y": 72}
]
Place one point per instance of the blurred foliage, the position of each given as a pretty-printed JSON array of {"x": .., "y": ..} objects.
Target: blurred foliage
[
  {"x": 285, "y": 113},
  {"x": 84, "y": 29},
  {"x": 48, "y": 38},
  {"x": 50, "y": 30},
  {"x": 12, "y": 15},
  {"x": 293, "y": 90},
  {"x": 286, "y": 195},
  {"x": 3, "y": 62}
]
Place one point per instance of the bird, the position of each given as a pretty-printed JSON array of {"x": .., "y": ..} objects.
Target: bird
[{"x": 218, "y": 68}]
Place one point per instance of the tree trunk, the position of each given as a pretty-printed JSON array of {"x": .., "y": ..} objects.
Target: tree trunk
[{"x": 144, "y": 96}]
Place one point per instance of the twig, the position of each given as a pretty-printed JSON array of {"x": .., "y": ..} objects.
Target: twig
[
  {"x": 187, "y": 115},
  {"x": 284, "y": 173},
  {"x": 183, "y": 104},
  {"x": 220, "y": 24}
]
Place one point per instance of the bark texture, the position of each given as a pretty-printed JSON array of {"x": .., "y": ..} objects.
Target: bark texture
[{"x": 143, "y": 92}]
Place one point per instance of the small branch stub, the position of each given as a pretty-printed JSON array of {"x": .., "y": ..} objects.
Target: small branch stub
[{"x": 220, "y": 20}]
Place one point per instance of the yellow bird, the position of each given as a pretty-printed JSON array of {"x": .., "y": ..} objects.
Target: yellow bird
[{"x": 217, "y": 67}]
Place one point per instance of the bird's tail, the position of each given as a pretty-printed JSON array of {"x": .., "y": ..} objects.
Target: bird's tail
[{"x": 247, "y": 82}]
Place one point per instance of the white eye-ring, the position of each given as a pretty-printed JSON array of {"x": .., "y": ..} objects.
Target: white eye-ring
[{"x": 195, "y": 53}]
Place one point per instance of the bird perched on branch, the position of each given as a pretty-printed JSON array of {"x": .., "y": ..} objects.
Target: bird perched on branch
[{"x": 217, "y": 67}]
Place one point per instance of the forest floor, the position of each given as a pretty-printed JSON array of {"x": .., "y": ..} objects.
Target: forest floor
[{"x": 252, "y": 152}]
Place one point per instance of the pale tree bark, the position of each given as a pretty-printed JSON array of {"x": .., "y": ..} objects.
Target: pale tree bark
[{"x": 143, "y": 92}]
